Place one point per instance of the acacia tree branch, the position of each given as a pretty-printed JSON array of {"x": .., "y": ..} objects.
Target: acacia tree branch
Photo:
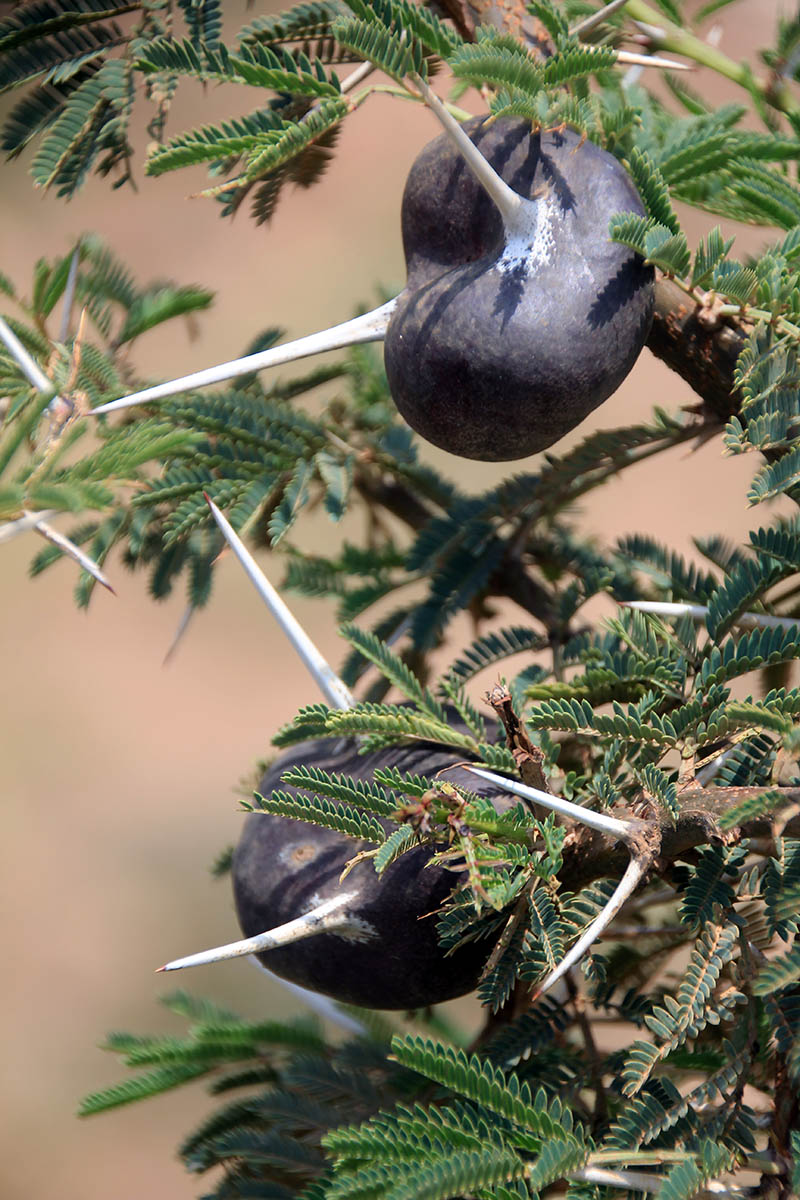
[
  {"x": 700, "y": 346},
  {"x": 589, "y": 856}
]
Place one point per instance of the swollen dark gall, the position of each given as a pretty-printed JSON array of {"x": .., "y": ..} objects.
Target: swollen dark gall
[{"x": 509, "y": 334}]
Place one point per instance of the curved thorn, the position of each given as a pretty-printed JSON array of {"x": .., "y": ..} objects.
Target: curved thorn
[
  {"x": 587, "y": 816},
  {"x": 634, "y": 873},
  {"x": 699, "y": 612},
  {"x": 507, "y": 200},
  {"x": 369, "y": 327},
  {"x": 325, "y": 918},
  {"x": 335, "y": 692}
]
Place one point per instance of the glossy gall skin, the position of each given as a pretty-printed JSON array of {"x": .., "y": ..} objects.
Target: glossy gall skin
[
  {"x": 282, "y": 868},
  {"x": 495, "y": 351}
]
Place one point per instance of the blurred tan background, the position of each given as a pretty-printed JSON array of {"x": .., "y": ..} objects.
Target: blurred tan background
[{"x": 117, "y": 773}]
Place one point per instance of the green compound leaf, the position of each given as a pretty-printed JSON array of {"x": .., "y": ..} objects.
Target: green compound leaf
[
  {"x": 141, "y": 1088},
  {"x": 485, "y": 1084},
  {"x": 396, "y": 56},
  {"x": 780, "y": 973},
  {"x": 653, "y": 190},
  {"x": 318, "y": 810}
]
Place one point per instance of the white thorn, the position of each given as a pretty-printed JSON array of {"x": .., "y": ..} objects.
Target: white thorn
[
  {"x": 653, "y": 32},
  {"x": 644, "y": 1181},
  {"x": 68, "y": 547},
  {"x": 652, "y": 60},
  {"x": 748, "y": 620},
  {"x": 596, "y": 18},
  {"x": 637, "y": 1181},
  {"x": 11, "y": 529},
  {"x": 325, "y": 918},
  {"x": 507, "y": 200},
  {"x": 335, "y": 692},
  {"x": 323, "y": 1006},
  {"x": 26, "y": 364},
  {"x": 588, "y": 816},
  {"x": 69, "y": 292},
  {"x": 369, "y": 327},
  {"x": 30, "y": 369},
  {"x": 707, "y": 773},
  {"x": 183, "y": 625},
  {"x": 362, "y": 71},
  {"x": 634, "y": 873}
]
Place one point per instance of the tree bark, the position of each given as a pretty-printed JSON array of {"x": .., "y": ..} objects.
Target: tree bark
[{"x": 700, "y": 346}]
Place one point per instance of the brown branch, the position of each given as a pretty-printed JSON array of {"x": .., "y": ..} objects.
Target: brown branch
[
  {"x": 588, "y": 855},
  {"x": 700, "y": 346},
  {"x": 511, "y": 578}
]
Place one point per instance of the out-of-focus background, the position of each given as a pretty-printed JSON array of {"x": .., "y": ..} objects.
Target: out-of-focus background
[{"x": 117, "y": 772}]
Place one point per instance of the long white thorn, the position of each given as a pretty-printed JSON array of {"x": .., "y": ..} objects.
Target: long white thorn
[
  {"x": 323, "y": 1006},
  {"x": 369, "y": 327},
  {"x": 587, "y": 816},
  {"x": 707, "y": 773},
  {"x": 30, "y": 369},
  {"x": 68, "y": 547},
  {"x": 338, "y": 695},
  {"x": 11, "y": 529},
  {"x": 645, "y": 1181},
  {"x": 507, "y": 200},
  {"x": 636, "y": 1181},
  {"x": 652, "y": 60},
  {"x": 69, "y": 292},
  {"x": 596, "y": 18},
  {"x": 183, "y": 625},
  {"x": 325, "y": 918},
  {"x": 634, "y": 873},
  {"x": 699, "y": 612},
  {"x": 335, "y": 692}
]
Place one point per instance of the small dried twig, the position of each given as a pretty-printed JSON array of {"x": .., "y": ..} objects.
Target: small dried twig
[{"x": 528, "y": 758}]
